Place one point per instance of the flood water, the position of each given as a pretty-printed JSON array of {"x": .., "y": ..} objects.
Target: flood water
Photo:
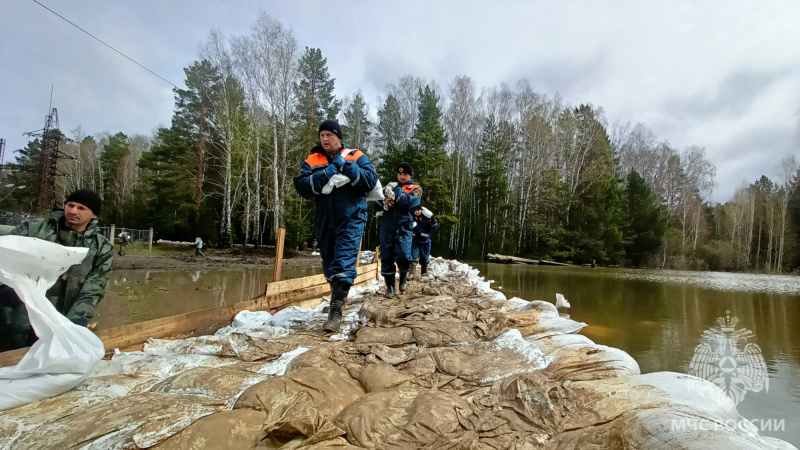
[
  {"x": 659, "y": 316},
  {"x": 137, "y": 295}
]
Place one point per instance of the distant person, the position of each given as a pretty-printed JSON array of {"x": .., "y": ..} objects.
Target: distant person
[
  {"x": 198, "y": 246},
  {"x": 341, "y": 213},
  {"x": 77, "y": 293},
  {"x": 124, "y": 241},
  {"x": 425, "y": 223},
  {"x": 402, "y": 199}
]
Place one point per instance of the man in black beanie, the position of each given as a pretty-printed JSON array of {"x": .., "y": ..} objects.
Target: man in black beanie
[
  {"x": 77, "y": 293},
  {"x": 341, "y": 212}
]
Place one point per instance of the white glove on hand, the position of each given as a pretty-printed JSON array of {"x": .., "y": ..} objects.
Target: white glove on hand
[
  {"x": 388, "y": 195},
  {"x": 337, "y": 180}
]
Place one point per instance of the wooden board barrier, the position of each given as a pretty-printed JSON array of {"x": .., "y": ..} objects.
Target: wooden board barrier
[{"x": 286, "y": 293}]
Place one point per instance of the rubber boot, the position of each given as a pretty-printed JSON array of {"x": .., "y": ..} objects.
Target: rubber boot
[
  {"x": 327, "y": 309},
  {"x": 403, "y": 281},
  {"x": 389, "y": 286},
  {"x": 338, "y": 297},
  {"x": 412, "y": 271},
  {"x": 424, "y": 270}
]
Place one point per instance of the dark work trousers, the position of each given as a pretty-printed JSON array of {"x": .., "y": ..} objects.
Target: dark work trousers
[{"x": 15, "y": 329}]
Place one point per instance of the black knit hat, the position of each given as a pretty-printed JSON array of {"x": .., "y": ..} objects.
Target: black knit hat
[
  {"x": 405, "y": 167},
  {"x": 332, "y": 126},
  {"x": 87, "y": 198}
]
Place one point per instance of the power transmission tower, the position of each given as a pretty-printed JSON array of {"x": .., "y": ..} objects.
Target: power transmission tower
[{"x": 51, "y": 137}]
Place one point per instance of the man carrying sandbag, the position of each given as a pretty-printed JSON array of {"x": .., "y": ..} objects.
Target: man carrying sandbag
[
  {"x": 77, "y": 292},
  {"x": 424, "y": 224},
  {"x": 338, "y": 179},
  {"x": 397, "y": 221}
]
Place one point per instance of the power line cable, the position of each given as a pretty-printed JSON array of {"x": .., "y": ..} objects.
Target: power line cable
[{"x": 107, "y": 45}]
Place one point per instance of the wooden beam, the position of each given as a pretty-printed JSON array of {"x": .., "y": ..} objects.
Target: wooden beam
[{"x": 276, "y": 273}]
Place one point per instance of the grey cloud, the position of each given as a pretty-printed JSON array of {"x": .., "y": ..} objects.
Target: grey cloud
[{"x": 734, "y": 95}]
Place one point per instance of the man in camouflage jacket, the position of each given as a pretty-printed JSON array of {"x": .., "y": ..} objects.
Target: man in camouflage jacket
[{"x": 77, "y": 292}]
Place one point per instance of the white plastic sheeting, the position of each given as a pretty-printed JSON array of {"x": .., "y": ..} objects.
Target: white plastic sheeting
[{"x": 65, "y": 354}]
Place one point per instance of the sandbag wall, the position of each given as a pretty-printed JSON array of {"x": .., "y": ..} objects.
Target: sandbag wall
[{"x": 450, "y": 364}]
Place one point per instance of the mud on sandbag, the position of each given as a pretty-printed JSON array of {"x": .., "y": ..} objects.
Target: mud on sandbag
[
  {"x": 135, "y": 421},
  {"x": 303, "y": 402},
  {"x": 408, "y": 418},
  {"x": 239, "y": 429},
  {"x": 541, "y": 319},
  {"x": 211, "y": 382},
  {"x": 242, "y": 346},
  {"x": 576, "y": 357}
]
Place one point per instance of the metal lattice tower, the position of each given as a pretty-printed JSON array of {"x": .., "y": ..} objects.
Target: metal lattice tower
[{"x": 51, "y": 137}]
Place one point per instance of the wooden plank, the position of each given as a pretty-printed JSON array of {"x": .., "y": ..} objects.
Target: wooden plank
[
  {"x": 302, "y": 283},
  {"x": 136, "y": 333},
  {"x": 294, "y": 284},
  {"x": 276, "y": 273},
  {"x": 12, "y": 357}
]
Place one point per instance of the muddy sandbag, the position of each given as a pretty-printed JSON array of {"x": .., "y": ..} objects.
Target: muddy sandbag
[
  {"x": 486, "y": 362},
  {"x": 645, "y": 406},
  {"x": 118, "y": 385},
  {"x": 381, "y": 377},
  {"x": 651, "y": 429},
  {"x": 391, "y": 355},
  {"x": 319, "y": 356},
  {"x": 15, "y": 422},
  {"x": 239, "y": 429},
  {"x": 135, "y": 421},
  {"x": 302, "y": 403},
  {"x": 540, "y": 320},
  {"x": 219, "y": 383},
  {"x": 242, "y": 346},
  {"x": 387, "y": 336},
  {"x": 588, "y": 361},
  {"x": 441, "y": 333},
  {"x": 408, "y": 418}
]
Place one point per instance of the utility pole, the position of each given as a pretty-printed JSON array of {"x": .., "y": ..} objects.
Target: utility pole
[{"x": 51, "y": 137}]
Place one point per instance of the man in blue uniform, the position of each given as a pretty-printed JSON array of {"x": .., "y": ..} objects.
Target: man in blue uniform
[
  {"x": 425, "y": 223},
  {"x": 402, "y": 199},
  {"x": 341, "y": 213}
]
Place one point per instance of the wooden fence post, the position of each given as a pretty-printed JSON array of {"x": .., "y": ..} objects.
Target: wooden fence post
[
  {"x": 111, "y": 235},
  {"x": 358, "y": 253},
  {"x": 276, "y": 273},
  {"x": 150, "y": 241},
  {"x": 378, "y": 262}
]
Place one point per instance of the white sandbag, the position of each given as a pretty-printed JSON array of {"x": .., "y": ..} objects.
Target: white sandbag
[
  {"x": 337, "y": 180},
  {"x": 65, "y": 354}
]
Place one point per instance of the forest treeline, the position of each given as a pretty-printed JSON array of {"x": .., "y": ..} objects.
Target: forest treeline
[{"x": 506, "y": 169}]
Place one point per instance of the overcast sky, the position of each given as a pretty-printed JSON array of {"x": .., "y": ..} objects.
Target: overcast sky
[{"x": 723, "y": 75}]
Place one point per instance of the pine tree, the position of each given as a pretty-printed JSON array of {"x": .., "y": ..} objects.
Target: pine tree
[
  {"x": 645, "y": 221},
  {"x": 315, "y": 99},
  {"x": 492, "y": 219},
  {"x": 429, "y": 159},
  {"x": 111, "y": 158},
  {"x": 357, "y": 127}
]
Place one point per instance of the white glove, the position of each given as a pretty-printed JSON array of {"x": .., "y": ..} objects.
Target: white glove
[{"x": 337, "y": 180}]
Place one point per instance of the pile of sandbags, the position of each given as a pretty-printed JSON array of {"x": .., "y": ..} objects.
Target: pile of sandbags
[{"x": 450, "y": 364}]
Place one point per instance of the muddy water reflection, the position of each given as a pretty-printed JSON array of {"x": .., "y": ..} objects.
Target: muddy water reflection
[
  {"x": 136, "y": 295},
  {"x": 658, "y": 317}
]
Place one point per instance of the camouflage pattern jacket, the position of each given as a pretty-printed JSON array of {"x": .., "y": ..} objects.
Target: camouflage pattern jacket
[{"x": 77, "y": 296}]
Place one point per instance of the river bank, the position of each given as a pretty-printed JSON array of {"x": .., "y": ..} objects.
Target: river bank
[{"x": 161, "y": 258}]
